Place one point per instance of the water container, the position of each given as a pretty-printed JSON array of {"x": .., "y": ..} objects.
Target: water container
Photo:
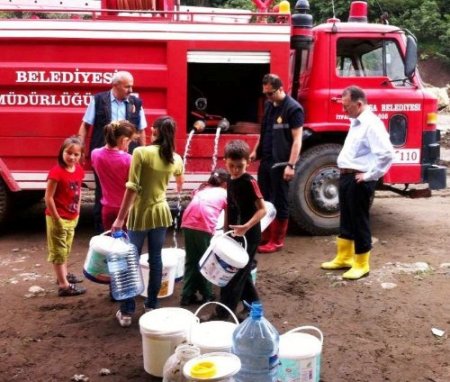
[
  {"x": 124, "y": 269},
  {"x": 255, "y": 342},
  {"x": 270, "y": 215},
  {"x": 173, "y": 368},
  {"x": 223, "y": 259},
  {"x": 212, "y": 367}
]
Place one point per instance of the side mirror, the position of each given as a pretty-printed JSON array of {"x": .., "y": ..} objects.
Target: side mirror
[{"x": 411, "y": 56}]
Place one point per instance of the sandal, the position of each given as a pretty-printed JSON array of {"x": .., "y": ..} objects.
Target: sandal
[
  {"x": 72, "y": 290},
  {"x": 74, "y": 279}
]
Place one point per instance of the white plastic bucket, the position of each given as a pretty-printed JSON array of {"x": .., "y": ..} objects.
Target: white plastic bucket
[
  {"x": 212, "y": 367},
  {"x": 162, "y": 331},
  {"x": 213, "y": 336},
  {"x": 95, "y": 267},
  {"x": 268, "y": 218},
  {"x": 222, "y": 259},
  {"x": 170, "y": 263},
  {"x": 180, "y": 254},
  {"x": 300, "y": 355}
]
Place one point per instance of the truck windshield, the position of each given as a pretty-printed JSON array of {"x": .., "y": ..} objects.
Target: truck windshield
[{"x": 370, "y": 58}]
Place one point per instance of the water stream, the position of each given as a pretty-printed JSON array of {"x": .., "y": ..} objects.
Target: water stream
[
  {"x": 216, "y": 148},
  {"x": 178, "y": 215}
]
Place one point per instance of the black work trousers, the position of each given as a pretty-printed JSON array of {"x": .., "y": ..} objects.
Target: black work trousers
[
  {"x": 354, "y": 202},
  {"x": 274, "y": 188}
]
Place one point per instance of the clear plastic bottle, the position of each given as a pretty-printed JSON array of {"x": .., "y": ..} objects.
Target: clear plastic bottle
[
  {"x": 173, "y": 368},
  {"x": 255, "y": 342},
  {"x": 124, "y": 268}
]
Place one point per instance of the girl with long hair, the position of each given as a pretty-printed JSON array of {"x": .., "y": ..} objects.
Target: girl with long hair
[{"x": 145, "y": 203}]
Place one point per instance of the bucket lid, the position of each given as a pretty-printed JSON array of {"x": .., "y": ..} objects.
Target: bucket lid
[
  {"x": 216, "y": 366},
  {"x": 230, "y": 251},
  {"x": 107, "y": 244},
  {"x": 166, "y": 321},
  {"x": 299, "y": 345},
  {"x": 213, "y": 334},
  {"x": 169, "y": 260}
]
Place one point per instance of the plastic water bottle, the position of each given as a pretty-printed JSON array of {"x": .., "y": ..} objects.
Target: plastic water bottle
[
  {"x": 124, "y": 268},
  {"x": 255, "y": 342}
]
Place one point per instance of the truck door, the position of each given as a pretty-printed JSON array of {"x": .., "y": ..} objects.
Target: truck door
[{"x": 376, "y": 65}]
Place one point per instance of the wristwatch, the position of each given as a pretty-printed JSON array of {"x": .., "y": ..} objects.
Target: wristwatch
[{"x": 292, "y": 166}]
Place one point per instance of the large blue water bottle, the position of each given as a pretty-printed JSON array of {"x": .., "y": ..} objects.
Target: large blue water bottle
[
  {"x": 255, "y": 342},
  {"x": 124, "y": 268}
]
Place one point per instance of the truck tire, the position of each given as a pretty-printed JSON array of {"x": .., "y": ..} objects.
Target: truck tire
[
  {"x": 313, "y": 193},
  {"x": 5, "y": 202}
]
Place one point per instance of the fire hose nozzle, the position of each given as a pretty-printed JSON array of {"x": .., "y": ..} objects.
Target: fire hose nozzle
[
  {"x": 199, "y": 126},
  {"x": 223, "y": 124}
]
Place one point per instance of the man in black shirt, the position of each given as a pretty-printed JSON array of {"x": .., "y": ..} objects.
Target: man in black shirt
[{"x": 280, "y": 141}]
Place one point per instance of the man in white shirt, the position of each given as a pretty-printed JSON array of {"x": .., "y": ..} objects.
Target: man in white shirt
[{"x": 366, "y": 156}]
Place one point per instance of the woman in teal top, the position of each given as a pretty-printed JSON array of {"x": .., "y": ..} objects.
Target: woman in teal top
[{"x": 146, "y": 205}]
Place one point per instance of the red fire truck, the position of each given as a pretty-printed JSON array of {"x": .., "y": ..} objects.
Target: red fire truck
[{"x": 196, "y": 63}]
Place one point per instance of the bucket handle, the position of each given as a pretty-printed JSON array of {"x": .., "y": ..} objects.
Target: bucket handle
[
  {"x": 230, "y": 232},
  {"x": 222, "y": 305},
  {"x": 306, "y": 328}
]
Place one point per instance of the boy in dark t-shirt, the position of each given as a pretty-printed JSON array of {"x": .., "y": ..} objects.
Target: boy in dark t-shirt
[{"x": 245, "y": 209}]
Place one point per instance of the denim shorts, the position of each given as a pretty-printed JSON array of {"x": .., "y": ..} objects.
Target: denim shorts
[{"x": 59, "y": 239}]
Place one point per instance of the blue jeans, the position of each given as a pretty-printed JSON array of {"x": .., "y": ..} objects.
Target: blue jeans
[{"x": 155, "y": 239}]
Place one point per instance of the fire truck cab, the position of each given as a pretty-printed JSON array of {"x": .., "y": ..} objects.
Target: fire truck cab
[{"x": 207, "y": 64}]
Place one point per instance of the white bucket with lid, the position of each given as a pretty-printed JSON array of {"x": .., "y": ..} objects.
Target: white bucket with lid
[
  {"x": 170, "y": 263},
  {"x": 95, "y": 267},
  {"x": 162, "y": 331},
  {"x": 300, "y": 355},
  {"x": 270, "y": 215},
  {"x": 212, "y": 367},
  {"x": 222, "y": 259},
  {"x": 213, "y": 336}
]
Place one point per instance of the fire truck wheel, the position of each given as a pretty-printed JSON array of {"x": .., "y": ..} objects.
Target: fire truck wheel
[
  {"x": 5, "y": 202},
  {"x": 313, "y": 193}
]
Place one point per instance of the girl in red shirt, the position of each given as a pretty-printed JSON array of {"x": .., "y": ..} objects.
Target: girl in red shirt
[{"x": 62, "y": 200}]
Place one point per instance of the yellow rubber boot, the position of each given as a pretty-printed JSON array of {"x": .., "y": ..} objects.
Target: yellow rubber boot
[
  {"x": 360, "y": 267},
  {"x": 344, "y": 256}
]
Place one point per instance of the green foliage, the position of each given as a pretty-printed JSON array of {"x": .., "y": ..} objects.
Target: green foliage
[{"x": 240, "y": 4}]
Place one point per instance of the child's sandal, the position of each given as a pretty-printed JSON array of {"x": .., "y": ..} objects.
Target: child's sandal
[{"x": 72, "y": 290}]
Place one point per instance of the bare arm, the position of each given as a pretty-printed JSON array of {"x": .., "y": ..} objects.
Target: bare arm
[
  {"x": 141, "y": 138},
  {"x": 83, "y": 131},
  {"x": 295, "y": 152},
  {"x": 253, "y": 153},
  {"x": 49, "y": 201},
  {"x": 127, "y": 201},
  {"x": 240, "y": 230},
  {"x": 179, "y": 180}
]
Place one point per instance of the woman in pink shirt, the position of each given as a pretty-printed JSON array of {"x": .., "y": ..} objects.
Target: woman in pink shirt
[
  {"x": 199, "y": 224},
  {"x": 111, "y": 163}
]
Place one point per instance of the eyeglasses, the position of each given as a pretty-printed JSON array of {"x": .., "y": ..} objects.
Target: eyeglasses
[{"x": 270, "y": 94}]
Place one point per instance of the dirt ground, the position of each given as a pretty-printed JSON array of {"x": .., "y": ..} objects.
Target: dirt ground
[{"x": 375, "y": 329}]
